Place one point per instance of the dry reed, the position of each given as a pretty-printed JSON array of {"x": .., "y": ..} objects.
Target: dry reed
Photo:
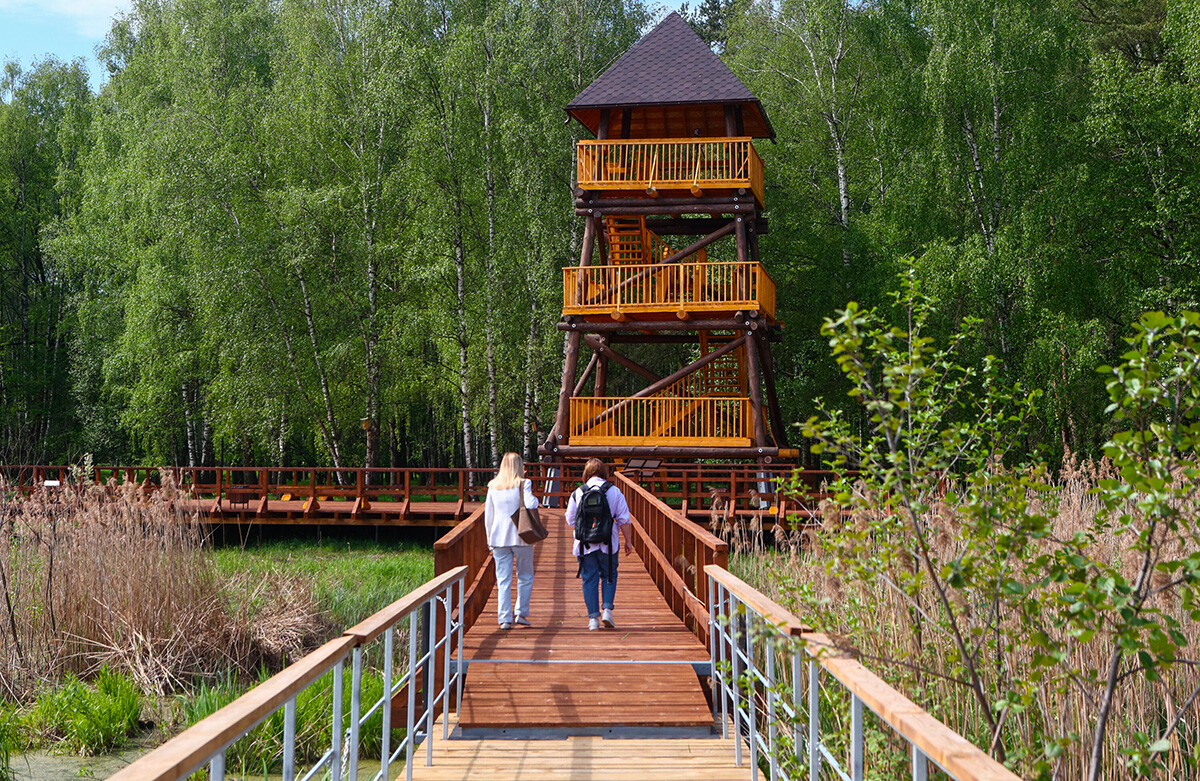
[
  {"x": 876, "y": 622},
  {"x": 118, "y": 575}
]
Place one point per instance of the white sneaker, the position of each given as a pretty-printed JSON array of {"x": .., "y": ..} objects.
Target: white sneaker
[
  {"x": 606, "y": 617},
  {"x": 593, "y": 624}
]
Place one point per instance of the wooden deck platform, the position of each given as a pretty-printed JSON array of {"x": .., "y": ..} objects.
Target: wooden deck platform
[
  {"x": 558, "y": 674},
  {"x": 584, "y": 758},
  {"x": 331, "y": 511}
]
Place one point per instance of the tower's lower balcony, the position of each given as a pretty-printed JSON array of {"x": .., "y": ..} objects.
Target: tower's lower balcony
[
  {"x": 684, "y": 421},
  {"x": 629, "y": 290}
]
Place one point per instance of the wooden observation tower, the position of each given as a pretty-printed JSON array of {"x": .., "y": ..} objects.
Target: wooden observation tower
[{"x": 671, "y": 183}]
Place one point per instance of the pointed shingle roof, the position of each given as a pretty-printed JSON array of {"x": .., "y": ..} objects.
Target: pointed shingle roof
[{"x": 671, "y": 66}]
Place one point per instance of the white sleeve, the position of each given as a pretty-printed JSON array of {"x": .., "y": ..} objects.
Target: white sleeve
[
  {"x": 572, "y": 508},
  {"x": 489, "y": 513},
  {"x": 620, "y": 508},
  {"x": 531, "y": 501}
]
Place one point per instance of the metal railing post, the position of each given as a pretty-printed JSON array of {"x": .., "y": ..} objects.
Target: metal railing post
[
  {"x": 856, "y": 738},
  {"x": 814, "y": 720},
  {"x": 410, "y": 717},
  {"x": 355, "y": 713},
  {"x": 289, "y": 740},
  {"x": 385, "y": 751},
  {"x": 429, "y": 614},
  {"x": 216, "y": 767},
  {"x": 335, "y": 759},
  {"x": 797, "y": 696},
  {"x": 722, "y": 595},
  {"x": 446, "y": 639},
  {"x": 772, "y": 749},
  {"x": 735, "y": 695},
  {"x": 460, "y": 673},
  {"x": 920, "y": 767},
  {"x": 712, "y": 643},
  {"x": 751, "y": 693}
]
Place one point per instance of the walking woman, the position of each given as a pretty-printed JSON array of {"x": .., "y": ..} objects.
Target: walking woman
[
  {"x": 598, "y": 512},
  {"x": 507, "y": 491}
]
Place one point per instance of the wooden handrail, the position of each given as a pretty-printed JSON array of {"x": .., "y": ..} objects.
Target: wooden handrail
[
  {"x": 372, "y": 627},
  {"x": 954, "y": 753},
  {"x": 668, "y": 535},
  {"x": 466, "y": 546},
  {"x": 179, "y": 756}
]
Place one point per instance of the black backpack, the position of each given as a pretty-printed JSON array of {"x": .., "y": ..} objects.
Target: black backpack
[{"x": 594, "y": 520}]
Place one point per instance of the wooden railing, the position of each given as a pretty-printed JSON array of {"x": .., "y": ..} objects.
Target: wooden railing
[
  {"x": 632, "y": 288},
  {"x": 433, "y": 634},
  {"x": 358, "y": 485},
  {"x": 656, "y": 420},
  {"x": 768, "y": 668},
  {"x": 675, "y": 552},
  {"x": 654, "y": 164},
  {"x": 466, "y": 546}
]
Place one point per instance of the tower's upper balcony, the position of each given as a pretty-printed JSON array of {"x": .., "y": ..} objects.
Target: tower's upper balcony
[{"x": 670, "y": 166}]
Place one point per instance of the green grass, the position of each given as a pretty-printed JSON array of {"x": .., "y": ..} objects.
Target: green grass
[
  {"x": 351, "y": 579},
  {"x": 261, "y": 750},
  {"x": 8, "y": 741},
  {"x": 85, "y": 718}
]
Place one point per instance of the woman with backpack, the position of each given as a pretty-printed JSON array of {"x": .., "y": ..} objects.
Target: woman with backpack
[
  {"x": 598, "y": 512},
  {"x": 507, "y": 493}
]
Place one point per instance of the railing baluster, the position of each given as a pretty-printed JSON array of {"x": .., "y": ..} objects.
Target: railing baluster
[
  {"x": 335, "y": 759},
  {"x": 814, "y": 720},
  {"x": 385, "y": 755},
  {"x": 216, "y": 767},
  {"x": 355, "y": 713},
  {"x": 856, "y": 738},
  {"x": 920, "y": 766},
  {"x": 410, "y": 719},
  {"x": 289, "y": 740}
]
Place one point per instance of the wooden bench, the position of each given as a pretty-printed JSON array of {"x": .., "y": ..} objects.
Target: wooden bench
[{"x": 240, "y": 494}]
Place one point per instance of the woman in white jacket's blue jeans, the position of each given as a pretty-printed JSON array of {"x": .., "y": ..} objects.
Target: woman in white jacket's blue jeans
[{"x": 506, "y": 492}]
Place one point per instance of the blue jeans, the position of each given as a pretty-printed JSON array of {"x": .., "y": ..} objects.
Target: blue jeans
[
  {"x": 593, "y": 571},
  {"x": 523, "y": 556}
]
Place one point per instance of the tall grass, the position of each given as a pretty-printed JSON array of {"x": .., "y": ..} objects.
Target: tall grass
[
  {"x": 876, "y": 623},
  {"x": 96, "y": 575}
]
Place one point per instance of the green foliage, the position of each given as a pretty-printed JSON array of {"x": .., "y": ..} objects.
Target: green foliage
[
  {"x": 9, "y": 741},
  {"x": 261, "y": 750},
  {"x": 86, "y": 718},
  {"x": 1025, "y": 601}
]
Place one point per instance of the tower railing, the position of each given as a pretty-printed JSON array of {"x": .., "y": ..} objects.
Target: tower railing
[
  {"x": 634, "y": 288},
  {"x": 684, "y": 421},
  {"x": 655, "y": 164}
]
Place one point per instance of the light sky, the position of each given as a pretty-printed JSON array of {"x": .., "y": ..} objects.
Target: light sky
[{"x": 32, "y": 29}]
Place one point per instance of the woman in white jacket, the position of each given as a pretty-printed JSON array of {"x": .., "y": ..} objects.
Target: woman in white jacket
[{"x": 506, "y": 492}]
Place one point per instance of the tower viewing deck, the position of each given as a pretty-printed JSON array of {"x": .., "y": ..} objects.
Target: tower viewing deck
[{"x": 671, "y": 192}]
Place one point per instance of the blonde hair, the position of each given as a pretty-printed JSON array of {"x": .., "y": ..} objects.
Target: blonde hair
[{"x": 511, "y": 470}]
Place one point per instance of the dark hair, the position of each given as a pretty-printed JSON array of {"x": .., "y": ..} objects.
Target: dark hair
[{"x": 595, "y": 468}]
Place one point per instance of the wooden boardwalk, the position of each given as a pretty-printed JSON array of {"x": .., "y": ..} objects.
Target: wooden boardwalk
[
  {"x": 595, "y": 758},
  {"x": 558, "y": 674}
]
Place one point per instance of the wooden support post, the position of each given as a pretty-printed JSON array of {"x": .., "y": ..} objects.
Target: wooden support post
[
  {"x": 264, "y": 489},
  {"x": 743, "y": 244},
  {"x": 730, "y": 121},
  {"x": 601, "y": 376},
  {"x": 312, "y": 505},
  {"x": 587, "y": 372},
  {"x": 768, "y": 368},
  {"x": 756, "y": 401}
]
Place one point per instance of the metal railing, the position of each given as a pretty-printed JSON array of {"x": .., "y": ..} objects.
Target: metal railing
[
  {"x": 434, "y": 630},
  {"x": 631, "y": 288},
  {"x": 653, "y": 164},
  {"x": 629, "y": 420},
  {"x": 767, "y": 681}
]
